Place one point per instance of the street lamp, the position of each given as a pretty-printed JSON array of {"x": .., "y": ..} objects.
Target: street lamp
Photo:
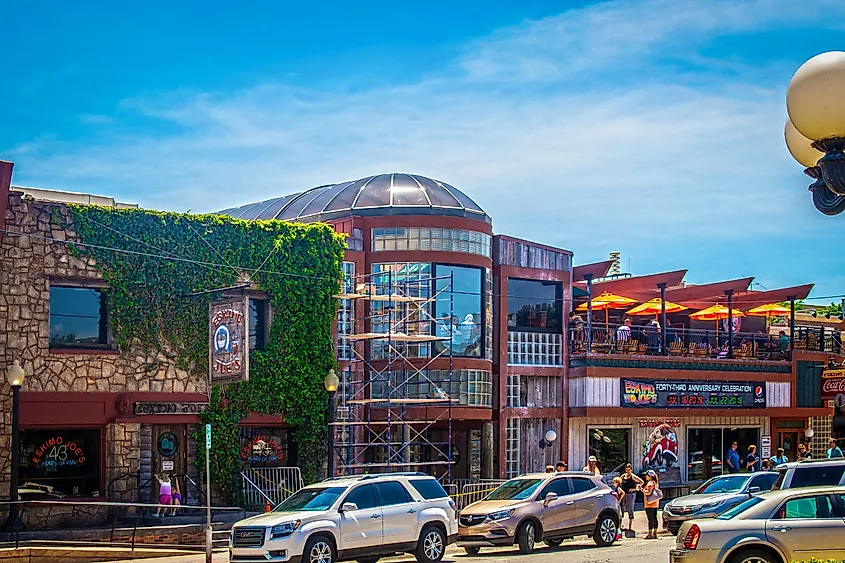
[
  {"x": 15, "y": 377},
  {"x": 548, "y": 439},
  {"x": 815, "y": 131},
  {"x": 331, "y": 383}
]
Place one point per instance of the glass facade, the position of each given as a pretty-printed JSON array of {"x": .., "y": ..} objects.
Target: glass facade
[
  {"x": 78, "y": 317},
  {"x": 535, "y": 305},
  {"x": 707, "y": 449},
  {"x": 472, "y": 387},
  {"x": 466, "y": 302},
  {"x": 346, "y": 314},
  {"x": 431, "y": 239},
  {"x": 411, "y": 279},
  {"x": 58, "y": 463}
]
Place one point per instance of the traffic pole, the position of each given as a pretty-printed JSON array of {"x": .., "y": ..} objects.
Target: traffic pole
[{"x": 208, "y": 493}]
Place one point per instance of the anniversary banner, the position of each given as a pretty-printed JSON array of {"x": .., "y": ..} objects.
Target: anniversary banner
[{"x": 658, "y": 393}]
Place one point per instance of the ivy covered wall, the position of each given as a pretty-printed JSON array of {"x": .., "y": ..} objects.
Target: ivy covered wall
[{"x": 162, "y": 258}]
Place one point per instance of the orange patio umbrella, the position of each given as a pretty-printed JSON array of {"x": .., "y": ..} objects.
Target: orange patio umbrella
[
  {"x": 653, "y": 307},
  {"x": 607, "y": 301},
  {"x": 769, "y": 310},
  {"x": 716, "y": 313}
]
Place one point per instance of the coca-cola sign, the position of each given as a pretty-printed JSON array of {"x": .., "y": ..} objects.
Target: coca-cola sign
[{"x": 833, "y": 383}]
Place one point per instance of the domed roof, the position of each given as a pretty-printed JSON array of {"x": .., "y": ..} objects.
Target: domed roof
[{"x": 384, "y": 194}]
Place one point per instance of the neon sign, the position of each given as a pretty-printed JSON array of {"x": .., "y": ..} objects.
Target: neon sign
[{"x": 57, "y": 452}]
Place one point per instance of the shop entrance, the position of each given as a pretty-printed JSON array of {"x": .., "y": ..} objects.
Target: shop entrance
[
  {"x": 788, "y": 440},
  {"x": 707, "y": 449},
  {"x": 169, "y": 456}
]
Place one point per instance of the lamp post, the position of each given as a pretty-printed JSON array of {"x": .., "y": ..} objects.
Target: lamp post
[
  {"x": 548, "y": 439},
  {"x": 331, "y": 383},
  {"x": 815, "y": 130},
  {"x": 15, "y": 377}
]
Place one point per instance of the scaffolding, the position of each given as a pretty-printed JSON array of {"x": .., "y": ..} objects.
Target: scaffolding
[{"x": 390, "y": 404}]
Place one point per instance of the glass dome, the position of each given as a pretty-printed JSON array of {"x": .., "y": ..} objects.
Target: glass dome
[{"x": 384, "y": 194}]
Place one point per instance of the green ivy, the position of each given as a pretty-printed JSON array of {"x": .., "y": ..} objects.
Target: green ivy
[{"x": 298, "y": 266}]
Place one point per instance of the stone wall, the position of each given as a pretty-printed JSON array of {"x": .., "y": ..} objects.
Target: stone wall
[{"x": 28, "y": 265}]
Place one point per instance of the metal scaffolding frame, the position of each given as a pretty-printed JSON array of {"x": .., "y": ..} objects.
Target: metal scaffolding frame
[{"x": 400, "y": 317}]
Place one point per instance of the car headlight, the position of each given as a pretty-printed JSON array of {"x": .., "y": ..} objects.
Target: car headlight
[
  {"x": 284, "y": 529},
  {"x": 501, "y": 515}
]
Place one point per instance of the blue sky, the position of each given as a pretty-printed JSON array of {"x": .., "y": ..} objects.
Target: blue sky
[{"x": 651, "y": 127}]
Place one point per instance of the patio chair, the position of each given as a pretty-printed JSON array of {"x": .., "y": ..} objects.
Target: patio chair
[{"x": 676, "y": 348}]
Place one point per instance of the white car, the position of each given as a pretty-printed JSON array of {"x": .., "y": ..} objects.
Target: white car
[{"x": 362, "y": 517}]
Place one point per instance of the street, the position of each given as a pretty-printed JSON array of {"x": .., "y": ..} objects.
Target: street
[{"x": 579, "y": 550}]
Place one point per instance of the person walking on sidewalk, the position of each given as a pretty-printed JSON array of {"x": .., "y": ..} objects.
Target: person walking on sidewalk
[
  {"x": 651, "y": 495},
  {"x": 630, "y": 485},
  {"x": 732, "y": 459},
  {"x": 834, "y": 451},
  {"x": 752, "y": 460}
]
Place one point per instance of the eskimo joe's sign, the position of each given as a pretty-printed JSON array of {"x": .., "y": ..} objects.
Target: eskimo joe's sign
[
  {"x": 651, "y": 393},
  {"x": 833, "y": 383},
  {"x": 228, "y": 340}
]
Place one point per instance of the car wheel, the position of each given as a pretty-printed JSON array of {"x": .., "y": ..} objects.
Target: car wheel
[
  {"x": 472, "y": 550},
  {"x": 605, "y": 532},
  {"x": 754, "y": 556},
  {"x": 525, "y": 536},
  {"x": 319, "y": 549},
  {"x": 554, "y": 543},
  {"x": 431, "y": 546}
]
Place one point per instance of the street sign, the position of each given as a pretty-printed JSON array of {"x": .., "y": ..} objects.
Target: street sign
[
  {"x": 207, "y": 436},
  {"x": 839, "y": 400}
]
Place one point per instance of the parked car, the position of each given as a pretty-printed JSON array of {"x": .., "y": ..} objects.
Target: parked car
[
  {"x": 714, "y": 497},
  {"x": 810, "y": 473},
  {"x": 364, "y": 518},
  {"x": 774, "y": 527},
  {"x": 546, "y": 507},
  {"x": 695, "y": 467}
]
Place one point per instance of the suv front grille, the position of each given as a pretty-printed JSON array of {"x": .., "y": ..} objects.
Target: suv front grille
[
  {"x": 248, "y": 537},
  {"x": 472, "y": 519}
]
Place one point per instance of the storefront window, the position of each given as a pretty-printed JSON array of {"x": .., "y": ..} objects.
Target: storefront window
[
  {"x": 264, "y": 447},
  {"x": 534, "y": 305},
  {"x": 707, "y": 449},
  {"x": 467, "y": 305},
  {"x": 611, "y": 446},
  {"x": 60, "y": 463}
]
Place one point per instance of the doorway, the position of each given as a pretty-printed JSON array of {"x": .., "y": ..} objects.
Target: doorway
[
  {"x": 707, "y": 449},
  {"x": 788, "y": 440},
  {"x": 170, "y": 456}
]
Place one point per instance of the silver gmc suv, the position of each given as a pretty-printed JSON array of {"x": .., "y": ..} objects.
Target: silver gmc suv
[{"x": 360, "y": 517}]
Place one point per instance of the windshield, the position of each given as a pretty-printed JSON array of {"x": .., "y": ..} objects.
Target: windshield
[
  {"x": 740, "y": 508},
  {"x": 311, "y": 499},
  {"x": 730, "y": 484},
  {"x": 516, "y": 489}
]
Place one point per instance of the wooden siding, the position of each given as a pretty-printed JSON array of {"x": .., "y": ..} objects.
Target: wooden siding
[
  {"x": 778, "y": 394},
  {"x": 594, "y": 392},
  {"x": 531, "y": 457},
  {"x": 540, "y": 392},
  {"x": 808, "y": 387}
]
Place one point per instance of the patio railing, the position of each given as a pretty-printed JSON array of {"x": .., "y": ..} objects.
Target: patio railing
[{"x": 699, "y": 343}]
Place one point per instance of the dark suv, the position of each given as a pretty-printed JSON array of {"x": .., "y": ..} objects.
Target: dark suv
[{"x": 810, "y": 473}]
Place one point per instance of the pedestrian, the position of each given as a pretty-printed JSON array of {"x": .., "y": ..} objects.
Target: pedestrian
[
  {"x": 732, "y": 459},
  {"x": 592, "y": 466},
  {"x": 176, "y": 497},
  {"x": 783, "y": 342},
  {"x": 623, "y": 333},
  {"x": 833, "y": 450},
  {"x": 561, "y": 466},
  {"x": 767, "y": 466},
  {"x": 630, "y": 485},
  {"x": 752, "y": 460},
  {"x": 165, "y": 491},
  {"x": 550, "y": 469},
  {"x": 576, "y": 327},
  {"x": 780, "y": 458},
  {"x": 803, "y": 452},
  {"x": 651, "y": 496}
]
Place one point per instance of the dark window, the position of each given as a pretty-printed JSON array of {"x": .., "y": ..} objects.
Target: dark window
[
  {"x": 59, "y": 463},
  {"x": 764, "y": 481},
  {"x": 257, "y": 324},
  {"x": 466, "y": 302},
  {"x": 265, "y": 447},
  {"x": 611, "y": 446},
  {"x": 582, "y": 485},
  {"x": 364, "y": 497},
  {"x": 817, "y": 476},
  {"x": 535, "y": 306},
  {"x": 429, "y": 488},
  {"x": 392, "y": 492},
  {"x": 559, "y": 486},
  {"x": 78, "y": 317}
]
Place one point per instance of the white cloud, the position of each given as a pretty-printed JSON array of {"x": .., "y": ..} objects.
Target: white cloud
[{"x": 567, "y": 130}]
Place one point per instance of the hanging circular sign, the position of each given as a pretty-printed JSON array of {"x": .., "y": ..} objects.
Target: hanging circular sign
[
  {"x": 839, "y": 400},
  {"x": 167, "y": 444}
]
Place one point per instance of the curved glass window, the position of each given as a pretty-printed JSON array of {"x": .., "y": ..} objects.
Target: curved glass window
[
  {"x": 431, "y": 238},
  {"x": 465, "y": 301},
  {"x": 411, "y": 279}
]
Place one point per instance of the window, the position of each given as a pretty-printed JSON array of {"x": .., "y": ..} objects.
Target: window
[
  {"x": 410, "y": 279},
  {"x": 582, "y": 485},
  {"x": 60, "y": 463},
  {"x": 392, "y": 492},
  {"x": 515, "y": 489},
  {"x": 346, "y": 315},
  {"x": 764, "y": 481},
  {"x": 257, "y": 324},
  {"x": 311, "y": 499},
  {"x": 535, "y": 306},
  {"x": 465, "y": 300},
  {"x": 78, "y": 317},
  {"x": 363, "y": 497},
  {"x": 429, "y": 488},
  {"x": 425, "y": 238},
  {"x": 611, "y": 447},
  {"x": 816, "y": 507},
  {"x": 817, "y": 476},
  {"x": 708, "y": 447},
  {"x": 559, "y": 486},
  {"x": 264, "y": 447}
]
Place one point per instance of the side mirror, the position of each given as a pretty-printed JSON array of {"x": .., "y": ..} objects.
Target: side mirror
[
  {"x": 549, "y": 498},
  {"x": 752, "y": 490},
  {"x": 348, "y": 507}
]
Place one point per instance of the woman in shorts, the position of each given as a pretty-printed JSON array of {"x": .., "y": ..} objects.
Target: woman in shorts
[{"x": 630, "y": 484}]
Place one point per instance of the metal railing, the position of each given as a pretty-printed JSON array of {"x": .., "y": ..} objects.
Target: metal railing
[
  {"x": 474, "y": 492},
  {"x": 260, "y": 486},
  {"x": 700, "y": 343}
]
